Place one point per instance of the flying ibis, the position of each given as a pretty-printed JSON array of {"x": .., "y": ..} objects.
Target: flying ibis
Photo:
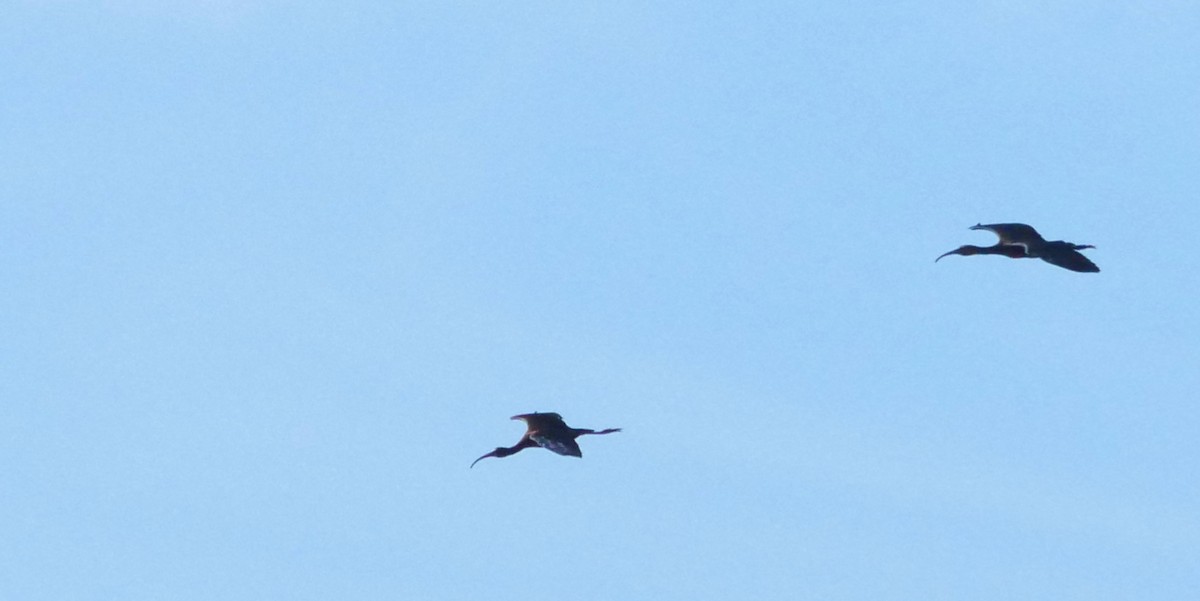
[
  {"x": 549, "y": 431},
  {"x": 1018, "y": 241}
]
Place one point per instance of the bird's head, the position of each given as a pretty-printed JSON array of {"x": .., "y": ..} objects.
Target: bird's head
[
  {"x": 499, "y": 452},
  {"x": 966, "y": 251},
  {"x": 1012, "y": 251}
]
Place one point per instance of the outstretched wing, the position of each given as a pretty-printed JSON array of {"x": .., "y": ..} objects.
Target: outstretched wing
[
  {"x": 1012, "y": 233},
  {"x": 541, "y": 421},
  {"x": 562, "y": 445},
  {"x": 1066, "y": 257}
]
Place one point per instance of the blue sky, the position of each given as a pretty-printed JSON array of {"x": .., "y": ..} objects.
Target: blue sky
[{"x": 276, "y": 273}]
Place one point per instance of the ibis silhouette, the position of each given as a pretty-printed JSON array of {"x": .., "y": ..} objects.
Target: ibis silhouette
[
  {"x": 1020, "y": 241},
  {"x": 549, "y": 431}
]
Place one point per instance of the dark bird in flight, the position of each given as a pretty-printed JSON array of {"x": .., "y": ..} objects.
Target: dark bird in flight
[
  {"x": 549, "y": 431},
  {"x": 1020, "y": 241}
]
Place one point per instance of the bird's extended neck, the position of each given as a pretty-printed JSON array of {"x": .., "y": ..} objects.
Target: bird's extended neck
[{"x": 506, "y": 451}]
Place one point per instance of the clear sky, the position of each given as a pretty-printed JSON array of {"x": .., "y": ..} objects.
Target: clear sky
[{"x": 275, "y": 273}]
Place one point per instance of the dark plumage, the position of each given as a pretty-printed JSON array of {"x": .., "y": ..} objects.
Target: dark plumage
[
  {"x": 1018, "y": 241},
  {"x": 549, "y": 431}
]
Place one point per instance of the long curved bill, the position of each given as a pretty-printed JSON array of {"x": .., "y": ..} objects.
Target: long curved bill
[
  {"x": 492, "y": 454},
  {"x": 942, "y": 255}
]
